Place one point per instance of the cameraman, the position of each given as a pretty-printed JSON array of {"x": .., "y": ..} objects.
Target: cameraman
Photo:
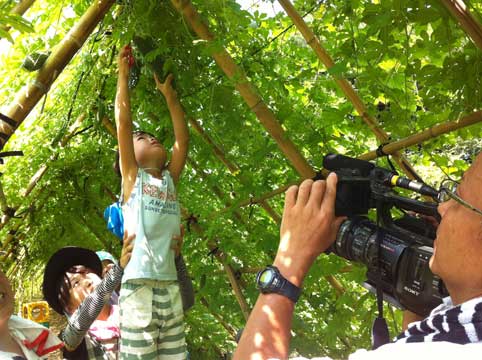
[{"x": 309, "y": 227}]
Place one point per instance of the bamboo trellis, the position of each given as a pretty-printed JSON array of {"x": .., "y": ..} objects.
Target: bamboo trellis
[
  {"x": 232, "y": 167},
  {"x": 461, "y": 13},
  {"x": 26, "y": 99},
  {"x": 35, "y": 179},
  {"x": 246, "y": 89},
  {"x": 313, "y": 41},
  {"x": 253, "y": 100},
  {"x": 425, "y": 135},
  {"x": 19, "y": 9},
  {"x": 221, "y": 256}
]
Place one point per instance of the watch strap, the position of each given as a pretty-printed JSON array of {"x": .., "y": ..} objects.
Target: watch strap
[{"x": 279, "y": 285}]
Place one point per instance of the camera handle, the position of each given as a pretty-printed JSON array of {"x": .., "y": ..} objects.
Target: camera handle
[{"x": 380, "y": 334}]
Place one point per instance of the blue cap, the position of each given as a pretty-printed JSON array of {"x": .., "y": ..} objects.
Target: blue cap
[{"x": 104, "y": 255}]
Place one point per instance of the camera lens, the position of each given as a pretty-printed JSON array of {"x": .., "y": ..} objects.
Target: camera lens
[{"x": 356, "y": 240}]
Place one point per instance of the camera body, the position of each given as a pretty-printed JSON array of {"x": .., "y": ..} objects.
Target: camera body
[{"x": 396, "y": 252}]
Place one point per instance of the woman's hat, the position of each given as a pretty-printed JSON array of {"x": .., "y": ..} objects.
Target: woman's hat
[{"x": 58, "y": 265}]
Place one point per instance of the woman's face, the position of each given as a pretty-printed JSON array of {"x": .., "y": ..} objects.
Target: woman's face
[
  {"x": 6, "y": 300},
  {"x": 82, "y": 282}
]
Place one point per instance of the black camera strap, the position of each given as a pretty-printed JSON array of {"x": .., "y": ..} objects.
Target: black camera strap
[{"x": 380, "y": 334}]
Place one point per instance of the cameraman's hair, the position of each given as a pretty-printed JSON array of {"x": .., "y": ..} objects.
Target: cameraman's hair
[{"x": 116, "y": 165}]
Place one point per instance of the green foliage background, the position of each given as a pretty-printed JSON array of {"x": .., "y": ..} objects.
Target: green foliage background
[{"x": 411, "y": 63}]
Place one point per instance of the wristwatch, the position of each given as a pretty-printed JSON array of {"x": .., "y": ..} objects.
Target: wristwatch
[{"x": 270, "y": 280}]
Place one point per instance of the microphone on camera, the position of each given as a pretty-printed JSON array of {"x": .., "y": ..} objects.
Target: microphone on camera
[
  {"x": 362, "y": 168},
  {"x": 408, "y": 184}
]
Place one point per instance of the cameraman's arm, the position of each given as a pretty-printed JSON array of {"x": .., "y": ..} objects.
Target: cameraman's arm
[
  {"x": 409, "y": 317},
  {"x": 308, "y": 228}
]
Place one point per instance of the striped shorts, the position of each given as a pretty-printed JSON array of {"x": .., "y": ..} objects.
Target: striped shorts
[{"x": 152, "y": 320}]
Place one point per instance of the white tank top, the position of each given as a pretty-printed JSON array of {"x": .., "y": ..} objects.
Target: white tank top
[{"x": 153, "y": 214}]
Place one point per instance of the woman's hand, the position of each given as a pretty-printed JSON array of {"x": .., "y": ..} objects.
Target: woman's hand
[
  {"x": 128, "y": 245},
  {"x": 177, "y": 241}
]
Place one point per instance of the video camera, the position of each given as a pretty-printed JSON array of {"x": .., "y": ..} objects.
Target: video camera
[{"x": 396, "y": 252}]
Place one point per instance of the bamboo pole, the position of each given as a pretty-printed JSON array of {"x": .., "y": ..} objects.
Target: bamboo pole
[
  {"x": 217, "y": 191},
  {"x": 469, "y": 24},
  {"x": 19, "y": 10},
  {"x": 346, "y": 87},
  {"x": 433, "y": 132},
  {"x": 27, "y": 99},
  {"x": 219, "y": 254},
  {"x": 246, "y": 89},
  {"x": 22, "y": 7},
  {"x": 229, "y": 328},
  {"x": 35, "y": 179},
  {"x": 233, "y": 168}
]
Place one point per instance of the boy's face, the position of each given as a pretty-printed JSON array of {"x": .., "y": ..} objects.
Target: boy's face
[
  {"x": 149, "y": 151},
  {"x": 82, "y": 283},
  {"x": 6, "y": 301}
]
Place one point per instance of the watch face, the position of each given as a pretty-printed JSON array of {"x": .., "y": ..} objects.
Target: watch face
[{"x": 266, "y": 277}]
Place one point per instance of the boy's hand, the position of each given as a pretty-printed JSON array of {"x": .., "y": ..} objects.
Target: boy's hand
[
  {"x": 124, "y": 61},
  {"x": 166, "y": 87},
  {"x": 128, "y": 245},
  {"x": 177, "y": 241}
]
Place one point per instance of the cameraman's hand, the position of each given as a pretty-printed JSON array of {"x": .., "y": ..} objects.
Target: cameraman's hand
[{"x": 308, "y": 228}]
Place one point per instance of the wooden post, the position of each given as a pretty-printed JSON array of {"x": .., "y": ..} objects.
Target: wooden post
[
  {"x": 466, "y": 20},
  {"x": 345, "y": 86},
  {"x": 27, "y": 99},
  {"x": 246, "y": 90}
]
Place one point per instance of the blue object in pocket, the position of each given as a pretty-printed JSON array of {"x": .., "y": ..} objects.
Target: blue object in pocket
[{"x": 115, "y": 220}]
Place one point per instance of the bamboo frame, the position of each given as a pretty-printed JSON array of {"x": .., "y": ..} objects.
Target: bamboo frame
[
  {"x": 26, "y": 99},
  {"x": 247, "y": 91},
  {"x": 219, "y": 254},
  {"x": 350, "y": 93},
  {"x": 233, "y": 168},
  {"x": 216, "y": 189},
  {"x": 428, "y": 134},
  {"x": 19, "y": 10},
  {"x": 466, "y": 20},
  {"x": 229, "y": 328},
  {"x": 35, "y": 179}
]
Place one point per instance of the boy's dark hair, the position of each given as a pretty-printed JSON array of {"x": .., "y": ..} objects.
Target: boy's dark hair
[
  {"x": 64, "y": 285},
  {"x": 116, "y": 165}
]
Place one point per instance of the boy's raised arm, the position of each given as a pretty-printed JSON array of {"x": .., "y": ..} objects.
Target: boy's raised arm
[
  {"x": 181, "y": 132},
  {"x": 123, "y": 119}
]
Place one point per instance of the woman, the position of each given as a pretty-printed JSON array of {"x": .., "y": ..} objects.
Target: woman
[{"x": 73, "y": 287}]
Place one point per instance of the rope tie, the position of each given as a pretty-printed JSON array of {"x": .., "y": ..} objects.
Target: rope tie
[{"x": 6, "y": 119}]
